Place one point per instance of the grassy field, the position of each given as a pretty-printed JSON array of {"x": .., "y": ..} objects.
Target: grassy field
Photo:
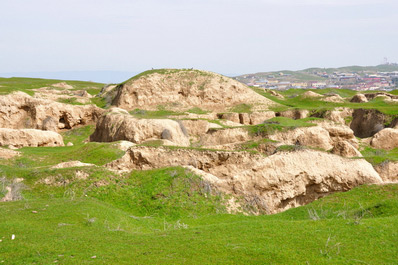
[
  {"x": 8, "y": 85},
  {"x": 357, "y": 227},
  {"x": 295, "y": 100},
  {"x": 170, "y": 216}
]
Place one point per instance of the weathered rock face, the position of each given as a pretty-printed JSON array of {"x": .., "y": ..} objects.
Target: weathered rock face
[
  {"x": 344, "y": 148},
  {"x": 225, "y": 136},
  {"x": 260, "y": 117},
  {"x": 359, "y": 98},
  {"x": 196, "y": 127},
  {"x": 294, "y": 114},
  {"x": 388, "y": 171},
  {"x": 271, "y": 184},
  {"x": 116, "y": 125},
  {"x": 185, "y": 89},
  {"x": 19, "y": 110},
  {"x": 339, "y": 132},
  {"x": 338, "y": 115},
  {"x": 385, "y": 139},
  {"x": 315, "y": 136},
  {"x": 248, "y": 118},
  {"x": 366, "y": 123},
  {"x": 29, "y": 137}
]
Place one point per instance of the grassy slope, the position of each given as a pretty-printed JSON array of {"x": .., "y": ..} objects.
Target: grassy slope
[{"x": 357, "y": 227}]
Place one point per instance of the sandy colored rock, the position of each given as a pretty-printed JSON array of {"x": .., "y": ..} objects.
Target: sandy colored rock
[
  {"x": 339, "y": 115},
  {"x": 333, "y": 98},
  {"x": 49, "y": 93},
  {"x": 115, "y": 126},
  {"x": 124, "y": 145},
  {"x": 359, "y": 98},
  {"x": 8, "y": 154},
  {"x": 184, "y": 89},
  {"x": 29, "y": 137},
  {"x": 388, "y": 171},
  {"x": 244, "y": 118},
  {"x": 196, "y": 127},
  {"x": 72, "y": 164},
  {"x": 19, "y": 110},
  {"x": 311, "y": 94},
  {"x": 270, "y": 184},
  {"x": 234, "y": 117},
  {"x": 225, "y": 136},
  {"x": 260, "y": 117},
  {"x": 295, "y": 114},
  {"x": 385, "y": 139},
  {"x": 344, "y": 148},
  {"x": 62, "y": 85},
  {"x": 274, "y": 93},
  {"x": 314, "y": 136},
  {"x": 340, "y": 132}
]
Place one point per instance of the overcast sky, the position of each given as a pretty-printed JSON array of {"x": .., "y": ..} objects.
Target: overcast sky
[{"x": 225, "y": 36}]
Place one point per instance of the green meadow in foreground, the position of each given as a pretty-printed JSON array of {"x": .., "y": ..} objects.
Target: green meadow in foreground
[{"x": 357, "y": 227}]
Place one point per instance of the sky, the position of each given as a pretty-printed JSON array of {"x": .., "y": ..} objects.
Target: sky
[{"x": 224, "y": 36}]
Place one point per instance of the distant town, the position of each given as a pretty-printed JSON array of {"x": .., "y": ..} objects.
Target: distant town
[{"x": 383, "y": 77}]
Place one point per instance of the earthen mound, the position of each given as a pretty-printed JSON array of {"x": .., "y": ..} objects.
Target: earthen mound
[{"x": 183, "y": 89}]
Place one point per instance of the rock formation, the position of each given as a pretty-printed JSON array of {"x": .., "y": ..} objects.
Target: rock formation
[
  {"x": 385, "y": 139},
  {"x": 29, "y": 137},
  {"x": 116, "y": 125},
  {"x": 270, "y": 184},
  {"x": 19, "y": 110}
]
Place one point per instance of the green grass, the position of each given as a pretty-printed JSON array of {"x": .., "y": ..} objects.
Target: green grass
[
  {"x": 242, "y": 108},
  {"x": 161, "y": 113},
  {"x": 278, "y": 124},
  {"x": 165, "y": 72},
  {"x": 356, "y": 227},
  {"x": 72, "y": 101},
  {"x": 197, "y": 110},
  {"x": 8, "y": 85},
  {"x": 377, "y": 156},
  {"x": 295, "y": 100}
]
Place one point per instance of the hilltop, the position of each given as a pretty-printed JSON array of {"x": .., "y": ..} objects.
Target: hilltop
[{"x": 183, "y": 89}]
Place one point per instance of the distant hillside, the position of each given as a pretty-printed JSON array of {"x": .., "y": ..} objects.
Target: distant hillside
[
  {"x": 354, "y": 68},
  {"x": 311, "y": 74}
]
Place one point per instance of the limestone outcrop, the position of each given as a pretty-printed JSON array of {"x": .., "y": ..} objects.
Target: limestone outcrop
[
  {"x": 118, "y": 125},
  {"x": 269, "y": 184},
  {"x": 315, "y": 136},
  {"x": 225, "y": 136},
  {"x": 388, "y": 171},
  {"x": 19, "y": 111},
  {"x": 184, "y": 89},
  {"x": 385, "y": 139},
  {"x": 29, "y": 137},
  {"x": 359, "y": 98}
]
